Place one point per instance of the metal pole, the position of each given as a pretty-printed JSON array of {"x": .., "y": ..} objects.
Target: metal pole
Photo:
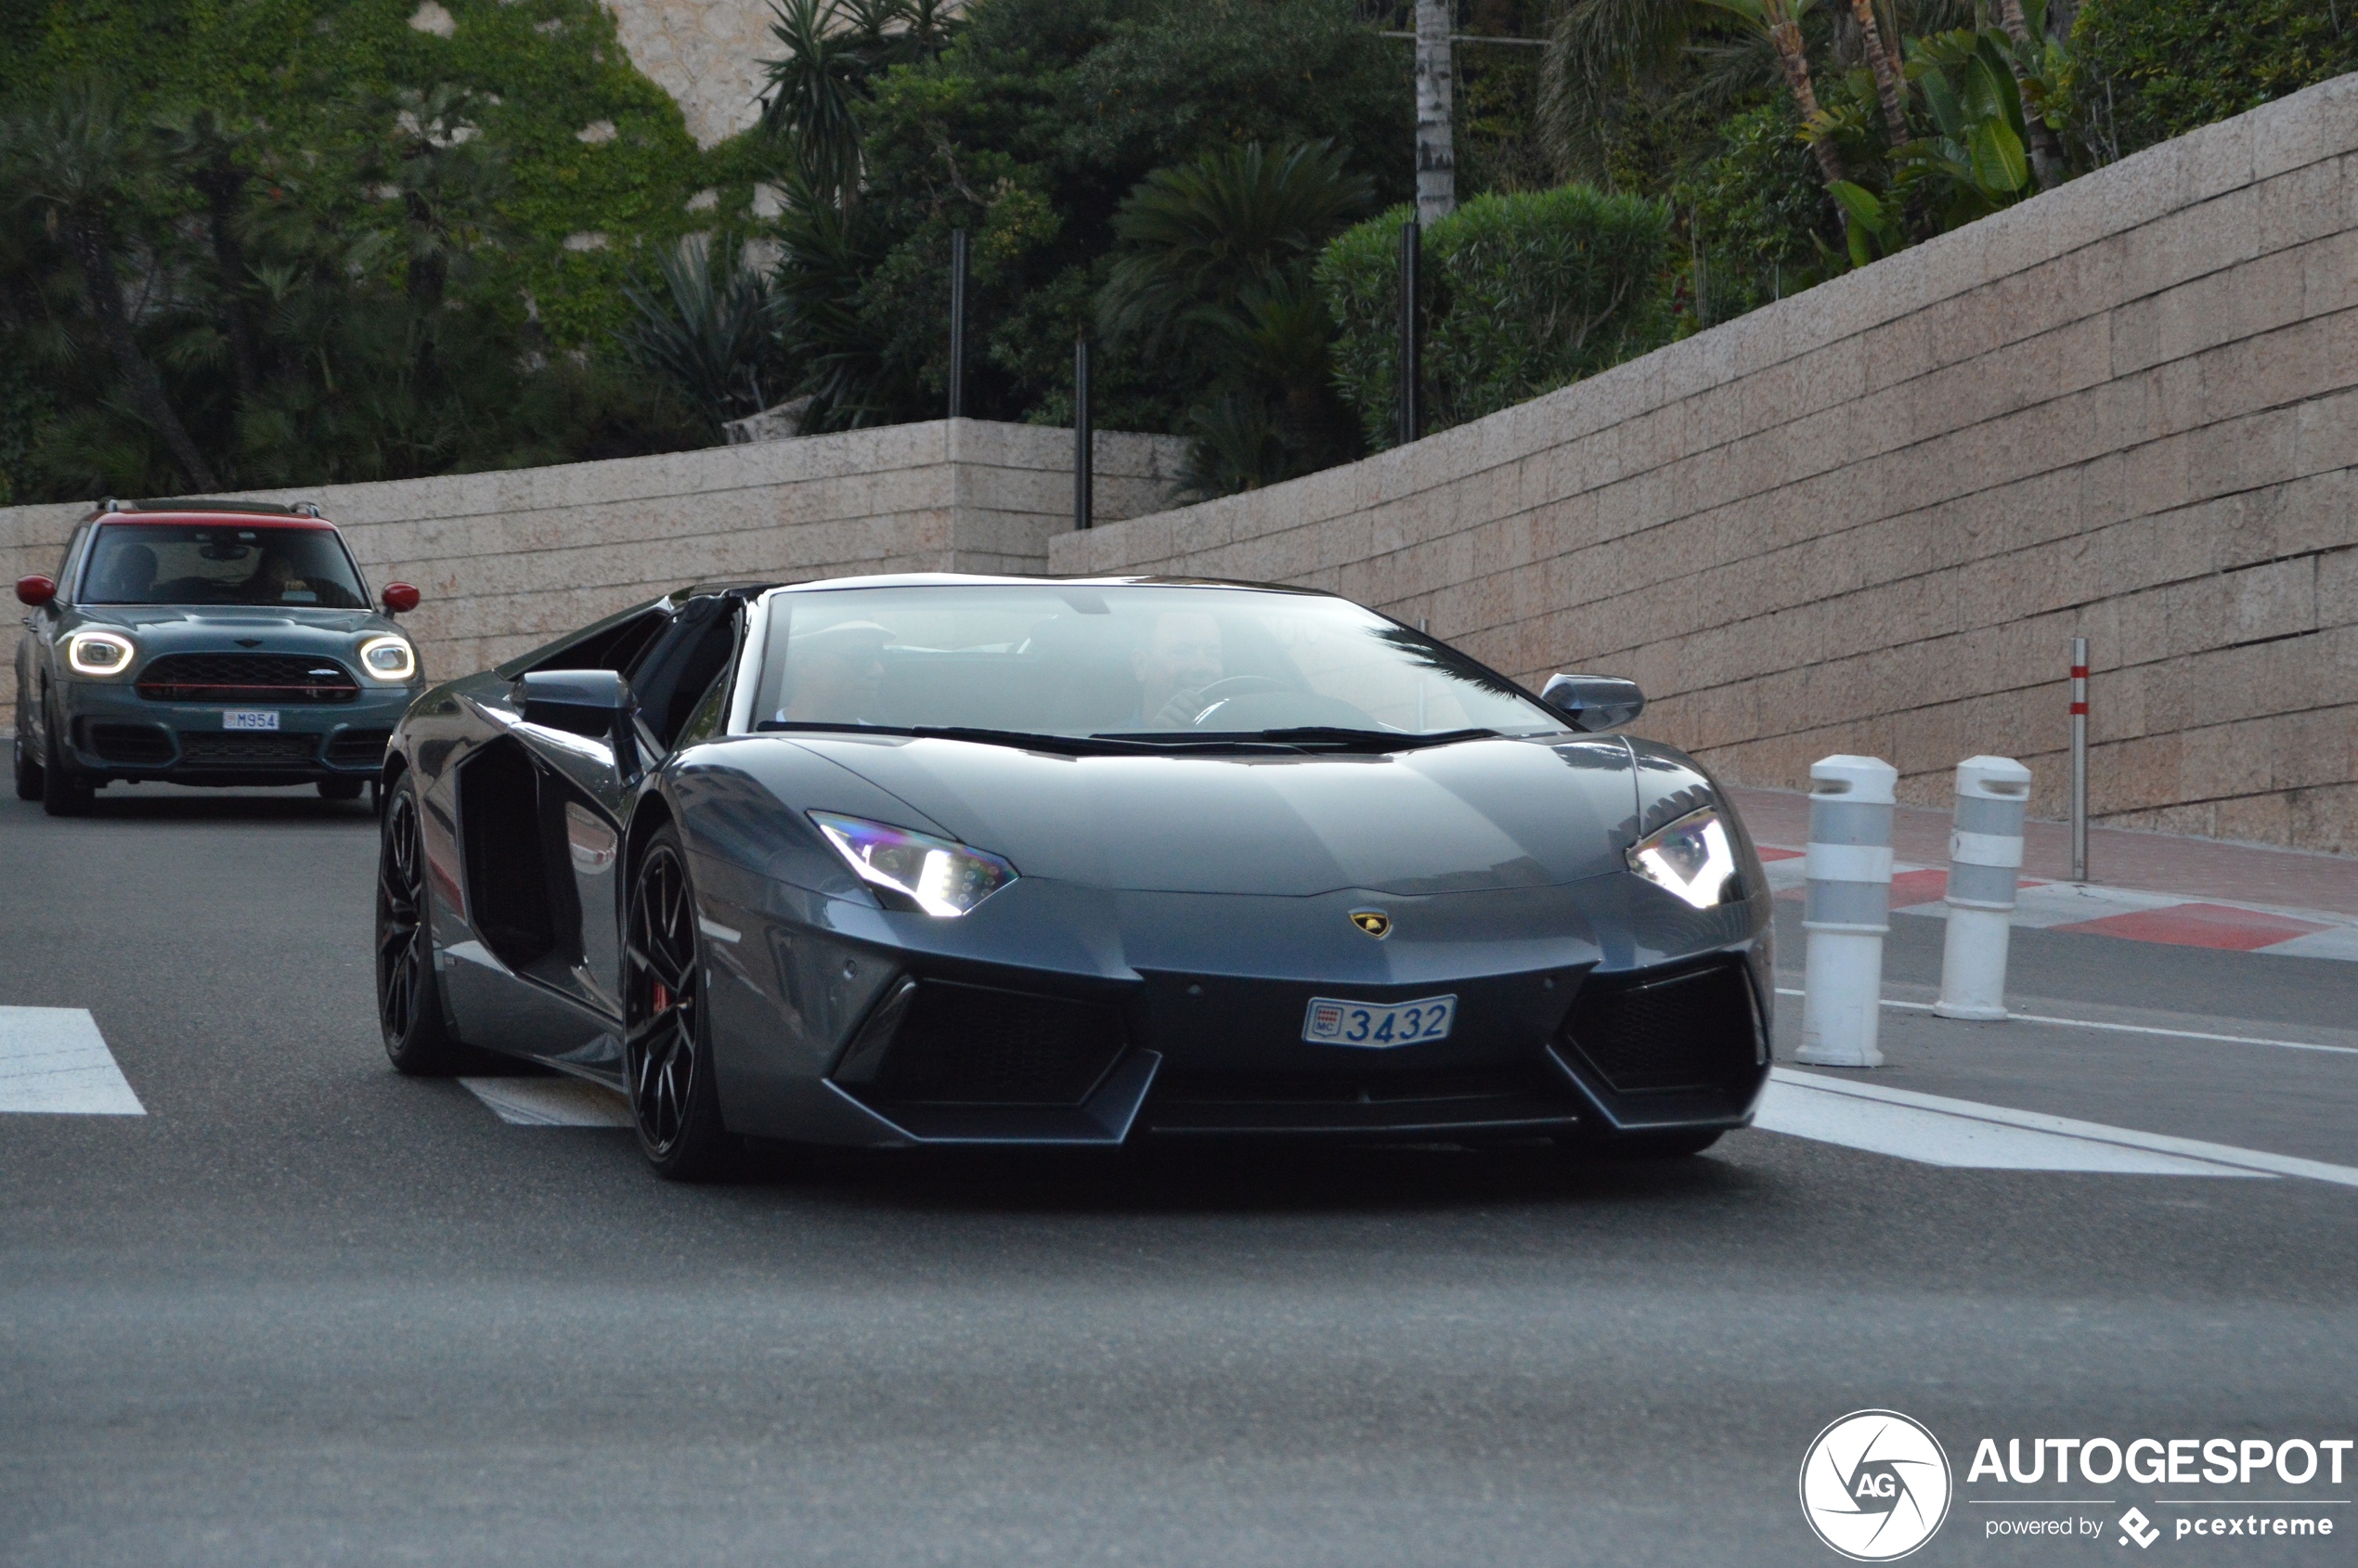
[
  {"x": 1411, "y": 358},
  {"x": 2079, "y": 760},
  {"x": 957, "y": 323},
  {"x": 1085, "y": 453}
]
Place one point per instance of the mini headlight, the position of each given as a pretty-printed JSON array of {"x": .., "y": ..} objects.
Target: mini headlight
[
  {"x": 389, "y": 658},
  {"x": 1691, "y": 858},
  {"x": 99, "y": 652},
  {"x": 915, "y": 870}
]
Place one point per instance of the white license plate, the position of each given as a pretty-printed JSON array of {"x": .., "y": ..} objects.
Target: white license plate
[
  {"x": 1379, "y": 1025},
  {"x": 249, "y": 718}
]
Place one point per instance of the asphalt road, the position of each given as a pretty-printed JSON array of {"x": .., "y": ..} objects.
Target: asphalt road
[{"x": 304, "y": 1311}]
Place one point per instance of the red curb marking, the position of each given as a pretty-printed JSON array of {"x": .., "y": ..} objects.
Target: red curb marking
[
  {"x": 1918, "y": 887},
  {"x": 2219, "y": 925},
  {"x": 1779, "y": 854}
]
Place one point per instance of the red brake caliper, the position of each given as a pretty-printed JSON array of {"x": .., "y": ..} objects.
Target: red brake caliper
[{"x": 663, "y": 997}]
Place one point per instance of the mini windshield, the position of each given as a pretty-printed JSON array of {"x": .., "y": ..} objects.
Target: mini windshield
[
  {"x": 220, "y": 563},
  {"x": 1143, "y": 661}
]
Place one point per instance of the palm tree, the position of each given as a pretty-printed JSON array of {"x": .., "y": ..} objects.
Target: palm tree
[
  {"x": 1198, "y": 236},
  {"x": 75, "y": 159},
  {"x": 813, "y": 88},
  {"x": 711, "y": 330},
  {"x": 1891, "y": 87},
  {"x": 209, "y": 152},
  {"x": 1780, "y": 22},
  {"x": 1215, "y": 258}
]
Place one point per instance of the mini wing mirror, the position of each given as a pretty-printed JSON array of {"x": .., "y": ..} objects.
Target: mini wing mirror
[
  {"x": 36, "y": 589},
  {"x": 584, "y": 702},
  {"x": 1594, "y": 702},
  {"x": 400, "y": 599}
]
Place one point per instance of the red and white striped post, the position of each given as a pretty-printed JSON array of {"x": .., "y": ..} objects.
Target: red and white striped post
[{"x": 2079, "y": 760}]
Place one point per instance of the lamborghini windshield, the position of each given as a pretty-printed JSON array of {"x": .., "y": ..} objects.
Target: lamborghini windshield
[
  {"x": 1137, "y": 662},
  {"x": 220, "y": 563}
]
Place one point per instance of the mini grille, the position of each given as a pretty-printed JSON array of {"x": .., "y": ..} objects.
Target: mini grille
[
  {"x": 1694, "y": 1030},
  {"x": 970, "y": 1045},
  {"x": 132, "y": 744},
  {"x": 351, "y": 748},
  {"x": 259, "y": 750},
  {"x": 272, "y": 678}
]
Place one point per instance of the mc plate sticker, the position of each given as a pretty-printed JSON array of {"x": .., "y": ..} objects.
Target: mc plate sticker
[
  {"x": 249, "y": 718},
  {"x": 1378, "y": 1026}
]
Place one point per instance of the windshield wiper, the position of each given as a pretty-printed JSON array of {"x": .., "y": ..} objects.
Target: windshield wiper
[
  {"x": 1075, "y": 745},
  {"x": 1335, "y": 737}
]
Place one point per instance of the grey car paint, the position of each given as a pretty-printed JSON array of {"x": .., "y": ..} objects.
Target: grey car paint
[{"x": 1204, "y": 896}]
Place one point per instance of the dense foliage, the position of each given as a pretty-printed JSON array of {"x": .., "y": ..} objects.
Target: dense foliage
[
  {"x": 255, "y": 243},
  {"x": 1528, "y": 292},
  {"x": 2144, "y": 71},
  {"x": 248, "y": 242}
]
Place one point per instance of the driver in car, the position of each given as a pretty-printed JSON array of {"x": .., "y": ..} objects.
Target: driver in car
[
  {"x": 832, "y": 674},
  {"x": 1177, "y": 662}
]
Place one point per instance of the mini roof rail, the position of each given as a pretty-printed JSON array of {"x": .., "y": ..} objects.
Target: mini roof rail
[{"x": 206, "y": 503}]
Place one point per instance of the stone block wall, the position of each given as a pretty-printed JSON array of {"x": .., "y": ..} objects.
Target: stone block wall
[
  {"x": 1870, "y": 517},
  {"x": 507, "y": 561}
]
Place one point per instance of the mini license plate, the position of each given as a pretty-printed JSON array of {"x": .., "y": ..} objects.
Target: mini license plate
[
  {"x": 1379, "y": 1025},
  {"x": 249, "y": 718}
]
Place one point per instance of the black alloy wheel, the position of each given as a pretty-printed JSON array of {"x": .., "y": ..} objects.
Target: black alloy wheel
[
  {"x": 408, "y": 999},
  {"x": 65, "y": 792},
  {"x": 27, "y": 770},
  {"x": 664, "y": 1053}
]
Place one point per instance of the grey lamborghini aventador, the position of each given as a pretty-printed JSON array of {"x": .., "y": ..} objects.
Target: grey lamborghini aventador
[{"x": 904, "y": 861}]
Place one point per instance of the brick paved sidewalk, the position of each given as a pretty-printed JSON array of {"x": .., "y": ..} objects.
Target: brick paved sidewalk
[{"x": 2143, "y": 886}]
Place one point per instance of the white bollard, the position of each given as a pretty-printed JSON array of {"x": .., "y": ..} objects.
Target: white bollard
[
  {"x": 1849, "y": 910},
  {"x": 1985, "y": 861}
]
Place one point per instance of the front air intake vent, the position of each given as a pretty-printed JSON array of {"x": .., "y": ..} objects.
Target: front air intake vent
[
  {"x": 357, "y": 748},
  {"x": 965, "y": 1045},
  {"x": 138, "y": 746},
  {"x": 1700, "y": 1030},
  {"x": 216, "y": 748},
  {"x": 274, "y": 679}
]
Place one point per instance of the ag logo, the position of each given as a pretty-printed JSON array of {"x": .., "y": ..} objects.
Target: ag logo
[
  {"x": 1875, "y": 1485},
  {"x": 1375, "y": 922}
]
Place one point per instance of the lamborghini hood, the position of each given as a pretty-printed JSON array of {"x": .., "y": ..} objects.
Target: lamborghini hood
[{"x": 1460, "y": 818}]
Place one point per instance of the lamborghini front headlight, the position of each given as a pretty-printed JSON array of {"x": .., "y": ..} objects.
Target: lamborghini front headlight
[
  {"x": 1692, "y": 858},
  {"x": 915, "y": 870}
]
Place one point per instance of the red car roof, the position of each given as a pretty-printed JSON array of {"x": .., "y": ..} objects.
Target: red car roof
[{"x": 216, "y": 519}]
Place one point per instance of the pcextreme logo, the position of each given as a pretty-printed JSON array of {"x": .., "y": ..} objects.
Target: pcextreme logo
[{"x": 1875, "y": 1485}]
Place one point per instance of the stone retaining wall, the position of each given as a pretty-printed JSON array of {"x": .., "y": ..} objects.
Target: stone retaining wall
[
  {"x": 1870, "y": 517},
  {"x": 508, "y": 559}
]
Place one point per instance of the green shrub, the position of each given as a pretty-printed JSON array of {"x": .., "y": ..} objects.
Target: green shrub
[
  {"x": 2145, "y": 70},
  {"x": 1759, "y": 224},
  {"x": 1528, "y": 293}
]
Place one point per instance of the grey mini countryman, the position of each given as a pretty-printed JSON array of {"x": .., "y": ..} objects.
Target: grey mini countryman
[{"x": 207, "y": 643}]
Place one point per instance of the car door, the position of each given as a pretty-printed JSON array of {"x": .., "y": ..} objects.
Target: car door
[{"x": 543, "y": 813}]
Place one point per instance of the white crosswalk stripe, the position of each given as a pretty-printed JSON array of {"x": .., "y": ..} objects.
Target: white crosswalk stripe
[
  {"x": 1936, "y": 1129},
  {"x": 53, "y": 1060}
]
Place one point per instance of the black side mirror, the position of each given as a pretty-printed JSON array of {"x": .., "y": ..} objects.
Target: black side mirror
[
  {"x": 596, "y": 703},
  {"x": 584, "y": 702},
  {"x": 1594, "y": 702}
]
